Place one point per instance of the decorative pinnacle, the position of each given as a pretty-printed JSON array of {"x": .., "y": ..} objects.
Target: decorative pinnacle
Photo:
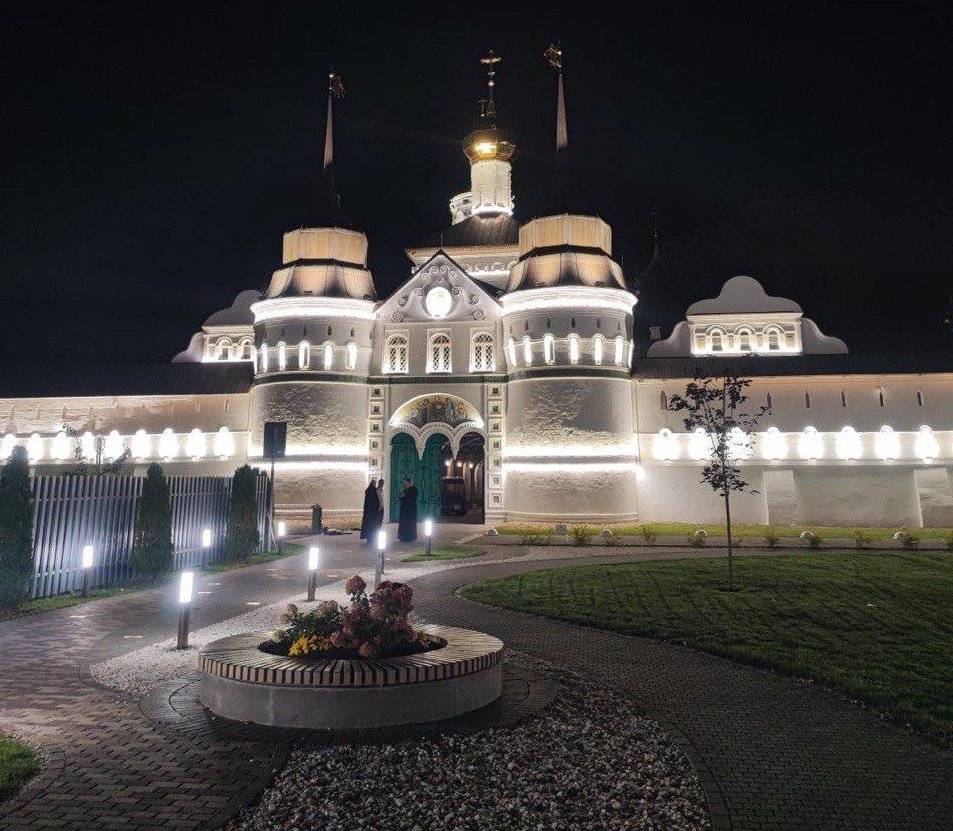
[
  {"x": 488, "y": 104},
  {"x": 335, "y": 90},
  {"x": 554, "y": 55}
]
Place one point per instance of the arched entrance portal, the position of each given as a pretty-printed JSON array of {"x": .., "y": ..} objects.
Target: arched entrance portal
[{"x": 449, "y": 487}]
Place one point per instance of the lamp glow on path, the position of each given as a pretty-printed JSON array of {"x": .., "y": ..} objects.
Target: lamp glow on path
[
  {"x": 314, "y": 560},
  {"x": 186, "y": 586},
  {"x": 87, "y": 563},
  {"x": 428, "y": 533}
]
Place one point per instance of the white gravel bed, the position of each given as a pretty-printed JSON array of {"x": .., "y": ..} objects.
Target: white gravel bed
[
  {"x": 138, "y": 671},
  {"x": 584, "y": 763}
]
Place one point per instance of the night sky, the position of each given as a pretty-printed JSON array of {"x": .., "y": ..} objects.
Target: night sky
[{"x": 153, "y": 155}]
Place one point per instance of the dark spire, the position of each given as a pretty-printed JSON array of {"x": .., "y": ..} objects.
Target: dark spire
[
  {"x": 329, "y": 200},
  {"x": 562, "y": 196}
]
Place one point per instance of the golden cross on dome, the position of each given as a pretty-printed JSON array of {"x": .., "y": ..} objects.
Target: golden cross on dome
[
  {"x": 490, "y": 61},
  {"x": 554, "y": 55}
]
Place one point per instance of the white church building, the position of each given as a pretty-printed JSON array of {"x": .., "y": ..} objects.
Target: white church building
[{"x": 502, "y": 377}]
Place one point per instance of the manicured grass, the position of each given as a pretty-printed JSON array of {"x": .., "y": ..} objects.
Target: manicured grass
[
  {"x": 64, "y": 601},
  {"x": 877, "y": 626},
  {"x": 17, "y": 764},
  {"x": 683, "y": 529},
  {"x": 442, "y": 554}
]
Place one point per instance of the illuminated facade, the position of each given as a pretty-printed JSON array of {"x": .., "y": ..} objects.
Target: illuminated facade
[{"x": 518, "y": 337}]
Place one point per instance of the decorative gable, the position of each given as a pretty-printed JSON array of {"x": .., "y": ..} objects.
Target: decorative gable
[{"x": 439, "y": 292}]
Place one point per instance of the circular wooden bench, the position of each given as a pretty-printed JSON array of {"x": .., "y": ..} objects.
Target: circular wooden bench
[{"x": 242, "y": 683}]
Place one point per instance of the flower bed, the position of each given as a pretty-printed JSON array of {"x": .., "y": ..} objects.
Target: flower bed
[{"x": 368, "y": 627}]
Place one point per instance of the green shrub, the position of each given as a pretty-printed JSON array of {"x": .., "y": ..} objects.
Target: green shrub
[
  {"x": 16, "y": 528},
  {"x": 771, "y": 537},
  {"x": 697, "y": 540},
  {"x": 533, "y": 539},
  {"x": 908, "y": 540},
  {"x": 649, "y": 535},
  {"x": 862, "y": 539},
  {"x": 241, "y": 535},
  {"x": 152, "y": 543},
  {"x": 814, "y": 541},
  {"x": 581, "y": 534}
]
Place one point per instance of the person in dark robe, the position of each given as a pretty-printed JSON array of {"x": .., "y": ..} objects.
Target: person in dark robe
[
  {"x": 371, "y": 519},
  {"x": 407, "y": 529},
  {"x": 380, "y": 499}
]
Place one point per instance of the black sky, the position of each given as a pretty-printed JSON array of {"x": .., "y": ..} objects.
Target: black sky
[{"x": 153, "y": 155}]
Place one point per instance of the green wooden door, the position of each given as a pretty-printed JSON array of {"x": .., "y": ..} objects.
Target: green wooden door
[
  {"x": 403, "y": 463},
  {"x": 428, "y": 483}
]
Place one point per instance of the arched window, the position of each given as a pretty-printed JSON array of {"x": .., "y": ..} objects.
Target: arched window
[
  {"x": 223, "y": 350},
  {"x": 843, "y": 398},
  {"x": 223, "y": 445},
  {"x": 717, "y": 344},
  {"x": 631, "y": 353},
  {"x": 282, "y": 355},
  {"x": 807, "y": 401},
  {"x": 769, "y": 401},
  {"x": 926, "y": 446},
  {"x": 264, "y": 357},
  {"x": 744, "y": 340},
  {"x": 574, "y": 349},
  {"x": 598, "y": 348},
  {"x": 887, "y": 443},
  {"x": 439, "y": 353},
  {"x": 527, "y": 350},
  {"x": 395, "y": 354},
  {"x": 919, "y": 398},
  {"x": 774, "y": 340},
  {"x": 481, "y": 353},
  {"x": 511, "y": 351},
  {"x": 328, "y": 355},
  {"x": 619, "y": 351},
  {"x": 881, "y": 396},
  {"x": 351, "y": 355},
  {"x": 304, "y": 355},
  {"x": 663, "y": 401},
  {"x": 549, "y": 348},
  {"x": 247, "y": 350}
]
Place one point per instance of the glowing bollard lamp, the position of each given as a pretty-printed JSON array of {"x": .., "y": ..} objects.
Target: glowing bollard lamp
[
  {"x": 186, "y": 582},
  {"x": 382, "y": 548},
  {"x": 87, "y": 563},
  {"x": 206, "y": 545},
  {"x": 282, "y": 530},
  {"x": 314, "y": 560},
  {"x": 428, "y": 533}
]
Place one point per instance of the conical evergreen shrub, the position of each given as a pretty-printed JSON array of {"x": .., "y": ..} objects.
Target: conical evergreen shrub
[
  {"x": 241, "y": 535},
  {"x": 16, "y": 528},
  {"x": 152, "y": 545}
]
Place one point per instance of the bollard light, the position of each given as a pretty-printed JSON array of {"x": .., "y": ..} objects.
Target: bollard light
[
  {"x": 282, "y": 528},
  {"x": 87, "y": 563},
  {"x": 382, "y": 548},
  {"x": 206, "y": 545},
  {"x": 428, "y": 533},
  {"x": 186, "y": 584},
  {"x": 314, "y": 560}
]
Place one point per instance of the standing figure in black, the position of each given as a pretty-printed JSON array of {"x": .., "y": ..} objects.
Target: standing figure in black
[
  {"x": 371, "y": 520},
  {"x": 407, "y": 529},
  {"x": 380, "y": 499}
]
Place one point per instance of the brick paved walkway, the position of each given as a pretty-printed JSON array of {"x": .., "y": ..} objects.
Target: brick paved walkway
[{"x": 772, "y": 754}]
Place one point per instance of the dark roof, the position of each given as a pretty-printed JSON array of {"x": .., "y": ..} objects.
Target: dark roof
[
  {"x": 126, "y": 379},
  {"x": 757, "y": 366},
  {"x": 476, "y": 232}
]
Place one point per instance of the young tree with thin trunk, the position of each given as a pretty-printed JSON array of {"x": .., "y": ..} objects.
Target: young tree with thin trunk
[
  {"x": 714, "y": 404},
  {"x": 16, "y": 528}
]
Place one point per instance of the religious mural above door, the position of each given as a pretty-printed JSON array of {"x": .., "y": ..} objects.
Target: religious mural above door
[{"x": 436, "y": 409}]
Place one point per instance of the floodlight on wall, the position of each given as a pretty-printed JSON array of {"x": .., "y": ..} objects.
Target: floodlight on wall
[
  {"x": 811, "y": 444},
  {"x": 887, "y": 443},
  {"x": 774, "y": 444},
  {"x": 34, "y": 447},
  {"x": 140, "y": 445},
  {"x": 926, "y": 446},
  {"x": 848, "y": 444}
]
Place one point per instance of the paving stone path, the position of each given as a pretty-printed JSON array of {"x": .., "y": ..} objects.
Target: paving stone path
[{"x": 772, "y": 753}]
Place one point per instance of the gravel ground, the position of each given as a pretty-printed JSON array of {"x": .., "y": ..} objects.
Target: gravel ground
[{"x": 584, "y": 763}]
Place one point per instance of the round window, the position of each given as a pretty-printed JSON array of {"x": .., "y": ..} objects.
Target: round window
[{"x": 438, "y": 302}]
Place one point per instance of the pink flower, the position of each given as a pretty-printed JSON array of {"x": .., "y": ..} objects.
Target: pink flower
[
  {"x": 337, "y": 639},
  {"x": 365, "y": 650},
  {"x": 355, "y": 585}
]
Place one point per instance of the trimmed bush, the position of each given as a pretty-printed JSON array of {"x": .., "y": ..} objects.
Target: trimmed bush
[
  {"x": 16, "y": 528},
  {"x": 241, "y": 536},
  {"x": 152, "y": 544}
]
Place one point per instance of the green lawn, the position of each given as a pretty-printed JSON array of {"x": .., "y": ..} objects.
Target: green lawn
[
  {"x": 442, "y": 554},
  {"x": 877, "y": 626},
  {"x": 683, "y": 529},
  {"x": 17, "y": 764},
  {"x": 63, "y": 601}
]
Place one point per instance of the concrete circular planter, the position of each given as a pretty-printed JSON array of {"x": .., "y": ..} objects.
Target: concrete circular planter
[{"x": 242, "y": 683}]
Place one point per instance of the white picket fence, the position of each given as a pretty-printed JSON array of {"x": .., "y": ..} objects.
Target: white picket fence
[{"x": 71, "y": 512}]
